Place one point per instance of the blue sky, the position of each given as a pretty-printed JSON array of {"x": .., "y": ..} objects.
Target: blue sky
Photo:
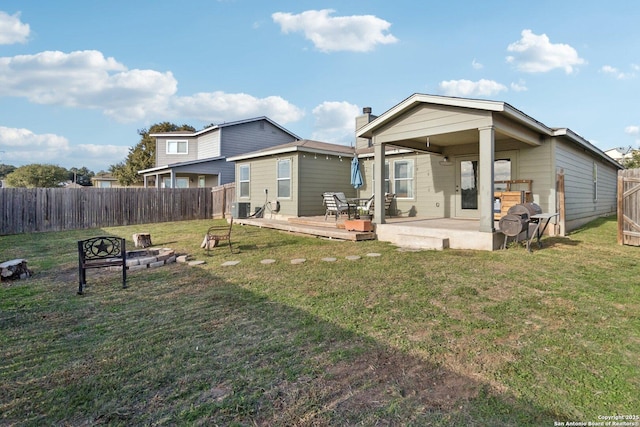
[{"x": 78, "y": 79}]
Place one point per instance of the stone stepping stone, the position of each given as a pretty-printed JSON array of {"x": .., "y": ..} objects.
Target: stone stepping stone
[
  {"x": 298, "y": 261},
  {"x": 353, "y": 257},
  {"x": 197, "y": 262},
  {"x": 230, "y": 263},
  {"x": 267, "y": 261},
  {"x": 373, "y": 254},
  {"x": 329, "y": 259}
]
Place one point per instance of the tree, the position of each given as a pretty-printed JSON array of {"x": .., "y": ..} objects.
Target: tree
[
  {"x": 37, "y": 176},
  {"x": 81, "y": 176},
  {"x": 143, "y": 155},
  {"x": 634, "y": 161},
  {"x": 6, "y": 170}
]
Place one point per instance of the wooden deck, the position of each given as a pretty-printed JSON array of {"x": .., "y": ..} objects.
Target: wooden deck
[
  {"x": 419, "y": 233},
  {"x": 314, "y": 226}
]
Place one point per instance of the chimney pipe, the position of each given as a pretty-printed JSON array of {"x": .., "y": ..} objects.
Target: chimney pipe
[{"x": 366, "y": 110}]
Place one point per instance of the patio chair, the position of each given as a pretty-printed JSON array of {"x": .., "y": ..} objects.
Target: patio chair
[
  {"x": 336, "y": 204},
  {"x": 388, "y": 199},
  {"x": 215, "y": 234}
]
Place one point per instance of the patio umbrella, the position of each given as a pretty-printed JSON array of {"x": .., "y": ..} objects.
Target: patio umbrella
[{"x": 356, "y": 176}]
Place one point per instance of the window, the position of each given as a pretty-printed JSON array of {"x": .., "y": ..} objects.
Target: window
[
  {"x": 177, "y": 147},
  {"x": 502, "y": 172},
  {"x": 202, "y": 181},
  {"x": 243, "y": 180},
  {"x": 595, "y": 181},
  {"x": 387, "y": 181},
  {"x": 284, "y": 178},
  {"x": 105, "y": 184},
  {"x": 180, "y": 182},
  {"x": 403, "y": 178}
]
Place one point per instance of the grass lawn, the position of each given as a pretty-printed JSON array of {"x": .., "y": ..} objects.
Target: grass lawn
[{"x": 404, "y": 338}]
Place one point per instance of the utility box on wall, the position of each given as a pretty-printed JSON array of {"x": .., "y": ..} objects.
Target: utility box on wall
[{"x": 241, "y": 210}]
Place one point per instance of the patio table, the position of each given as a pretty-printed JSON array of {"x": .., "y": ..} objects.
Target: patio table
[
  {"x": 540, "y": 219},
  {"x": 357, "y": 203}
]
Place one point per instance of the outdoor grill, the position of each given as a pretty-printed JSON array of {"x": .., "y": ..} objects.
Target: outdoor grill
[{"x": 517, "y": 220}]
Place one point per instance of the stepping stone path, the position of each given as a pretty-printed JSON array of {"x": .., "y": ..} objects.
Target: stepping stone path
[
  {"x": 185, "y": 259},
  {"x": 230, "y": 263}
]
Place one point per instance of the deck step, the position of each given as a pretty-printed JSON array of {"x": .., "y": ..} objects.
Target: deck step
[{"x": 331, "y": 222}]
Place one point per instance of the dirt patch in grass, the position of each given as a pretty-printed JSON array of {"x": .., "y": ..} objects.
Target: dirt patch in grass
[{"x": 371, "y": 384}]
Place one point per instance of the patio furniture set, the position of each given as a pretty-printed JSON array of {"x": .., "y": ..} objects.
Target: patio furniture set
[{"x": 337, "y": 204}]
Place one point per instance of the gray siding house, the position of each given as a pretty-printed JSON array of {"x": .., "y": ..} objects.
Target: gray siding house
[
  {"x": 295, "y": 175},
  {"x": 442, "y": 156},
  {"x": 199, "y": 159}
]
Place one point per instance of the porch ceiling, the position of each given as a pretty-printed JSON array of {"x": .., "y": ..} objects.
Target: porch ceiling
[{"x": 437, "y": 143}]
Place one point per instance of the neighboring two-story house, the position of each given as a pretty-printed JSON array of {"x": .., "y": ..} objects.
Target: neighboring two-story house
[{"x": 199, "y": 159}]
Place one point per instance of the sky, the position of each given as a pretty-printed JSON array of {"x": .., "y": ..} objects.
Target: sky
[{"x": 80, "y": 79}]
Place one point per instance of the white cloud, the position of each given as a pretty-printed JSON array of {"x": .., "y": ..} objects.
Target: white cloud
[
  {"x": 536, "y": 54},
  {"x": 476, "y": 65},
  {"x": 335, "y": 122},
  {"x": 467, "y": 88},
  {"x": 21, "y": 146},
  {"x": 86, "y": 79},
  {"x": 357, "y": 33},
  {"x": 217, "y": 107},
  {"x": 12, "y": 30},
  {"x": 632, "y": 130},
  {"x": 613, "y": 71},
  {"x": 519, "y": 87}
]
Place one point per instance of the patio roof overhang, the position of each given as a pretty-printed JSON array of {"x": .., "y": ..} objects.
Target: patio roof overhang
[{"x": 434, "y": 136}]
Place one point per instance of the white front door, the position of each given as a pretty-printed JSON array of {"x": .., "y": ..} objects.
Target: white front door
[{"x": 466, "y": 198}]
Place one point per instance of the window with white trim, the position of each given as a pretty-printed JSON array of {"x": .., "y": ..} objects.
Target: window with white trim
[
  {"x": 387, "y": 181},
  {"x": 244, "y": 182},
  {"x": 403, "y": 179},
  {"x": 284, "y": 178},
  {"x": 177, "y": 147}
]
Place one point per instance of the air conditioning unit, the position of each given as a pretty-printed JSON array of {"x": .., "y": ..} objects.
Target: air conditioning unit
[{"x": 241, "y": 210}]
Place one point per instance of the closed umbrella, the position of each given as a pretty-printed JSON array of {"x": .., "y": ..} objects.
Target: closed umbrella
[{"x": 356, "y": 176}]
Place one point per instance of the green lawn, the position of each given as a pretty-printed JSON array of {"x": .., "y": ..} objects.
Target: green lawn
[{"x": 404, "y": 338}]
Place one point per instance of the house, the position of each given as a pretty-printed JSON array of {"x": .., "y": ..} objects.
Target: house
[
  {"x": 442, "y": 155},
  {"x": 104, "y": 181},
  {"x": 289, "y": 179},
  {"x": 620, "y": 154},
  {"x": 199, "y": 159}
]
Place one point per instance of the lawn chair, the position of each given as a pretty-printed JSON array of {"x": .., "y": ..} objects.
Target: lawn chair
[
  {"x": 336, "y": 204},
  {"x": 215, "y": 234}
]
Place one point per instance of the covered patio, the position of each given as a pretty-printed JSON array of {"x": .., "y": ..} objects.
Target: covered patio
[{"x": 453, "y": 190}]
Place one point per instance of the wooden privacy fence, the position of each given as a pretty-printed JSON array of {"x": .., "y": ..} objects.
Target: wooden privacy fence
[
  {"x": 629, "y": 207},
  {"x": 26, "y": 210},
  {"x": 223, "y": 197}
]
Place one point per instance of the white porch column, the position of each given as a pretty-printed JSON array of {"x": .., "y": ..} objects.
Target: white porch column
[
  {"x": 173, "y": 179},
  {"x": 144, "y": 179},
  {"x": 158, "y": 183},
  {"x": 485, "y": 196},
  {"x": 378, "y": 190}
]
